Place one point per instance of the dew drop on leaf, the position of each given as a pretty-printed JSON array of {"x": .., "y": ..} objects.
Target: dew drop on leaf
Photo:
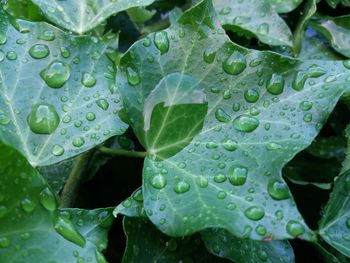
[
  {"x": 260, "y": 230},
  {"x": 133, "y": 77},
  {"x": 68, "y": 230},
  {"x": 3, "y": 38},
  {"x": 43, "y": 119},
  {"x": 294, "y": 228},
  {"x": 229, "y": 145},
  {"x": 48, "y": 200},
  {"x": 27, "y": 205},
  {"x": 251, "y": 95},
  {"x": 254, "y": 213},
  {"x": 181, "y": 187},
  {"x": 219, "y": 178},
  {"x": 305, "y": 105},
  {"x": 202, "y": 182},
  {"x": 103, "y": 104},
  {"x": 4, "y": 120},
  {"x": 209, "y": 55},
  {"x": 263, "y": 29},
  {"x": 78, "y": 142},
  {"x": 235, "y": 64},
  {"x": 4, "y": 242},
  {"x": 300, "y": 78},
  {"x": 57, "y": 150},
  {"x": 277, "y": 190},
  {"x": 237, "y": 175},
  {"x": 245, "y": 123},
  {"x": 88, "y": 80},
  {"x": 222, "y": 116},
  {"x": 161, "y": 41},
  {"x": 39, "y": 51},
  {"x": 275, "y": 84},
  {"x": 158, "y": 181},
  {"x": 47, "y": 35},
  {"x": 11, "y": 55},
  {"x": 90, "y": 116},
  {"x": 56, "y": 74}
]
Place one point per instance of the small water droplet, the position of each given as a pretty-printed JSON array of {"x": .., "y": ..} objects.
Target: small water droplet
[
  {"x": 47, "y": 35},
  {"x": 209, "y": 55},
  {"x": 11, "y": 55},
  {"x": 88, "y": 80},
  {"x": 103, "y": 104},
  {"x": 43, "y": 119},
  {"x": 305, "y": 105},
  {"x": 3, "y": 38},
  {"x": 235, "y": 64},
  {"x": 251, "y": 95},
  {"x": 245, "y": 123},
  {"x": 222, "y": 116},
  {"x": 161, "y": 41},
  {"x": 254, "y": 213},
  {"x": 263, "y": 29},
  {"x": 260, "y": 230},
  {"x": 133, "y": 77},
  {"x": 4, "y": 242},
  {"x": 275, "y": 84},
  {"x": 56, "y": 74},
  {"x": 202, "y": 182},
  {"x": 78, "y": 142},
  {"x": 39, "y": 51},
  {"x": 57, "y": 150},
  {"x": 219, "y": 178},
  {"x": 68, "y": 230},
  {"x": 300, "y": 78},
  {"x": 237, "y": 175},
  {"x": 4, "y": 120},
  {"x": 229, "y": 145},
  {"x": 158, "y": 181},
  {"x": 181, "y": 187},
  {"x": 27, "y": 205},
  {"x": 90, "y": 116},
  {"x": 48, "y": 200}
]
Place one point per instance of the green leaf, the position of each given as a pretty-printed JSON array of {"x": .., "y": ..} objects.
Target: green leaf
[
  {"x": 346, "y": 162},
  {"x": 335, "y": 223},
  {"x": 147, "y": 244},
  {"x": 140, "y": 14},
  {"x": 330, "y": 255},
  {"x": 222, "y": 244},
  {"x": 23, "y": 9},
  {"x": 30, "y": 219},
  {"x": 57, "y": 92},
  {"x": 284, "y": 6},
  {"x": 263, "y": 108},
  {"x": 257, "y": 18},
  {"x": 81, "y": 16},
  {"x": 132, "y": 206},
  {"x": 336, "y": 30},
  {"x": 334, "y": 3}
]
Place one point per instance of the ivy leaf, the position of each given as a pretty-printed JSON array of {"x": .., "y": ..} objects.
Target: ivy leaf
[
  {"x": 336, "y": 30},
  {"x": 81, "y": 16},
  {"x": 222, "y": 244},
  {"x": 335, "y": 223},
  {"x": 54, "y": 97},
  {"x": 285, "y": 6},
  {"x": 30, "y": 219},
  {"x": 257, "y": 18},
  {"x": 329, "y": 254},
  {"x": 23, "y": 9},
  {"x": 145, "y": 243},
  {"x": 263, "y": 108},
  {"x": 132, "y": 206}
]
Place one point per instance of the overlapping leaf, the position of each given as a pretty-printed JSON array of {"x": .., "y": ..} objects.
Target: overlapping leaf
[
  {"x": 32, "y": 229},
  {"x": 262, "y": 109},
  {"x": 57, "y": 92},
  {"x": 81, "y": 16},
  {"x": 257, "y": 18},
  {"x": 335, "y": 224}
]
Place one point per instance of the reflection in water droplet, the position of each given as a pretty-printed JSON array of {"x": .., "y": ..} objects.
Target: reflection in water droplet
[
  {"x": 57, "y": 150},
  {"x": 103, "y": 104},
  {"x": 251, "y": 95},
  {"x": 43, "y": 119}
]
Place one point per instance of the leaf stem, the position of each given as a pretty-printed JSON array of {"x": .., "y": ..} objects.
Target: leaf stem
[
  {"x": 69, "y": 192},
  {"x": 122, "y": 152}
]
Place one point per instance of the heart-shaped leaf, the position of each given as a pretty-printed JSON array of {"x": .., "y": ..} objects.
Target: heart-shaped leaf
[
  {"x": 263, "y": 108},
  {"x": 57, "y": 92}
]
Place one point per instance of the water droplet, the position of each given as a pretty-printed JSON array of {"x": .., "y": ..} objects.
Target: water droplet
[
  {"x": 211, "y": 145},
  {"x": 3, "y": 38},
  {"x": 273, "y": 146},
  {"x": 235, "y": 64},
  {"x": 48, "y": 200},
  {"x": 90, "y": 116},
  {"x": 202, "y": 181},
  {"x": 78, "y": 142},
  {"x": 65, "y": 53},
  {"x": 231, "y": 206},
  {"x": 57, "y": 150},
  {"x": 11, "y": 55},
  {"x": 4, "y": 242},
  {"x": 263, "y": 255},
  {"x": 260, "y": 230},
  {"x": 88, "y": 80},
  {"x": 4, "y": 120},
  {"x": 313, "y": 71},
  {"x": 133, "y": 77},
  {"x": 56, "y": 74},
  {"x": 43, "y": 119},
  {"x": 237, "y": 175},
  {"x": 222, "y": 116},
  {"x": 245, "y": 123},
  {"x": 138, "y": 196},
  {"x": 236, "y": 107},
  {"x": 100, "y": 257},
  {"x": 103, "y": 104},
  {"x": 275, "y": 84},
  {"x": 294, "y": 228},
  {"x": 219, "y": 178},
  {"x": 305, "y": 105},
  {"x": 254, "y": 213},
  {"x": 68, "y": 230},
  {"x": 251, "y": 95},
  {"x": 47, "y": 35},
  {"x": 39, "y": 51},
  {"x": 27, "y": 205},
  {"x": 161, "y": 41},
  {"x": 221, "y": 195},
  {"x": 225, "y": 10},
  {"x": 158, "y": 181},
  {"x": 181, "y": 187},
  {"x": 307, "y": 117},
  {"x": 229, "y": 145},
  {"x": 277, "y": 190},
  {"x": 209, "y": 55}
]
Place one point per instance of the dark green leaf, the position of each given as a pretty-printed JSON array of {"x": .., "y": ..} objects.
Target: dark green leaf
[
  {"x": 57, "y": 92},
  {"x": 30, "y": 220},
  {"x": 334, "y": 3},
  {"x": 23, "y": 9}
]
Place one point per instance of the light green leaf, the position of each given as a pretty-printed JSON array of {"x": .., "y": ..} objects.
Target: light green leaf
[
  {"x": 263, "y": 108},
  {"x": 23, "y": 9},
  {"x": 335, "y": 223},
  {"x": 30, "y": 219},
  {"x": 222, "y": 244},
  {"x": 81, "y": 16},
  {"x": 336, "y": 30},
  {"x": 257, "y": 18},
  {"x": 57, "y": 92},
  {"x": 146, "y": 244}
]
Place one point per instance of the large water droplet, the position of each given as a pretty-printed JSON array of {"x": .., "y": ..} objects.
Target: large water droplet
[
  {"x": 275, "y": 84},
  {"x": 56, "y": 74},
  {"x": 181, "y": 187},
  {"x": 39, "y": 51},
  {"x": 48, "y": 200},
  {"x": 161, "y": 41},
  {"x": 68, "y": 230},
  {"x": 235, "y": 64},
  {"x": 222, "y": 116},
  {"x": 277, "y": 190},
  {"x": 245, "y": 123},
  {"x": 237, "y": 175},
  {"x": 254, "y": 213},
  {"x": 43, "y": 119},
  {"x": 103, "y": 104},
  {"x": 294, "y": 228},
  {"x": 158, "y": 181},
  {"x": 313, "y": 71},
  {"x": 133, "y": 77},
  {"x": 88, "y": 80}
]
